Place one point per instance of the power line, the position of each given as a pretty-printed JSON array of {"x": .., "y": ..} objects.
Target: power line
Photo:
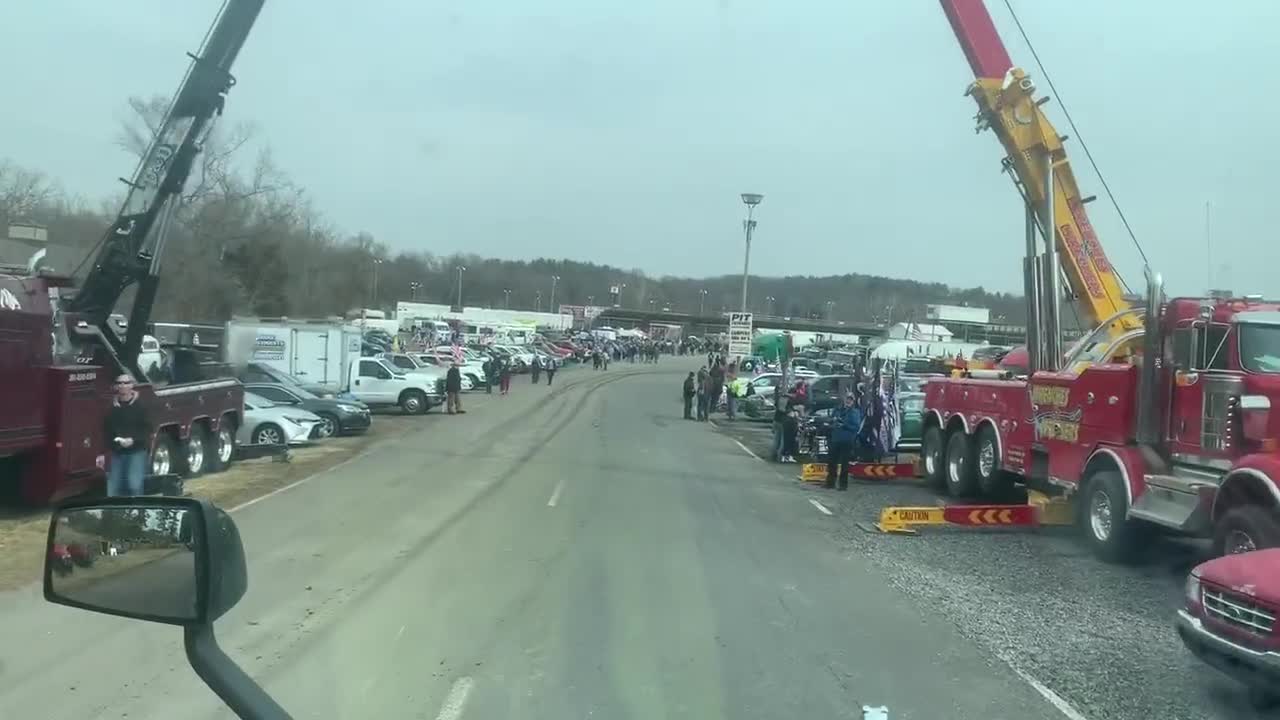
[{"x": 1067, "y": 114}]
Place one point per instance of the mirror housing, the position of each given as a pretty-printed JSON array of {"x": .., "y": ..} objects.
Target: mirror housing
[{"x": 169, "y": 560}]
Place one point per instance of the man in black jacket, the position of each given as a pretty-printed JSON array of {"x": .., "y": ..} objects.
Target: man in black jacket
[
  {"x": 127, "y": 431},
  {"x": 453, "y": 390}
]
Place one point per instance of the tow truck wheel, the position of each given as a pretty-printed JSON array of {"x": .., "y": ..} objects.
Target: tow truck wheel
[
  {"x": 162, "y": 456},
  {"x": 221, "y": 447},
  {"x": 961, "y": 473},
  {"x": 993, "y": 481},
  {"x": 933, "y": 457},
  {"x": 1244, "y": 529},
  {"x": 1103, "y": 509},
  {"x": 195, "y": 452}
]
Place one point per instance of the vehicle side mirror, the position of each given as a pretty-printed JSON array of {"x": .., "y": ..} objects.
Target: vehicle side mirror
[{"x": 168, "y": 560}]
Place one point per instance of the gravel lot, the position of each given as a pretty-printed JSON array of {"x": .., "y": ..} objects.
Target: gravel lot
[{"x": 1099, "y": 636}]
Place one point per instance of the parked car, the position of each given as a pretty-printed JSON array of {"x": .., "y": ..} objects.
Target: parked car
[
  {"x": 1229, "y": 620},
  {"x": 337, "y": 417},
  {"x": 261, "y": 373},
  {"x": 266, "y": 423}
]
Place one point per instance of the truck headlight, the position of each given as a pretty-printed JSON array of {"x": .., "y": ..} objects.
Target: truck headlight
[{"x": 1193, "y": 587}]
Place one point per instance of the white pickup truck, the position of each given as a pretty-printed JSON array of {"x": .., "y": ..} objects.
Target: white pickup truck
[{"x": 377, "y": 383}]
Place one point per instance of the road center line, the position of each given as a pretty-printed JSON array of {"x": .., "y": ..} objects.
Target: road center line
[
  {"x": 747, "y": 450},
  {"x": 456, "y": 700},
  {"x": 821, "y": 508},
  {"x": 555, "y": 494}
]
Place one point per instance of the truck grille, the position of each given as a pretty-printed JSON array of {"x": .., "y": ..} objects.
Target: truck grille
[{"x": 1238, "y": 611}]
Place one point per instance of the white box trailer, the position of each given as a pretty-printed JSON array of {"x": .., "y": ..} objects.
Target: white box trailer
[
  {"x": 957, "y": 313},
  {"x": 318, "y": 352}
]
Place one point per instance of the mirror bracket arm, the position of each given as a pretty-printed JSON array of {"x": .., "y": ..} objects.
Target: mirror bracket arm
[{"x": 240, "y": 692}]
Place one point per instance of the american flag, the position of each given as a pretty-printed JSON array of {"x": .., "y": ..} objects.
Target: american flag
[{"x": 915, "y": 331}]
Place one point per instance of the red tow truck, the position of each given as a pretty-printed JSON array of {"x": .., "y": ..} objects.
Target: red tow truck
[
  {"x": 1161, "y": 418},
  {"x": 58, "y": 349}
]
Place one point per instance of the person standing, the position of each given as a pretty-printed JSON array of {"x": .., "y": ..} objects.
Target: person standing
[
  {"x": 732, "y": 388},
  {"x": 716, "y": 386},
  {"x": 690, "y": 391},
  {"x": 703, "y": 388},
  {"x": 127, "y": 430},
  {"x": 489, "y": 370},
  {"x": 846, "y": 423},
  {"x": 535, "y": 369},
  {"x": 551, "y": 370},
  {"x": 453, "y": 390},
  {"x": 504, "y": 383}
]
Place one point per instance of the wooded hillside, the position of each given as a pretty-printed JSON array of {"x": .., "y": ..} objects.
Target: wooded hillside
[{"x": 247, "y": 240}]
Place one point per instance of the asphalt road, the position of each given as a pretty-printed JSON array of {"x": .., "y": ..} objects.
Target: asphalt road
[
  {"x": 1100, "y": 637},
  {"x": 571, "y": 552}
]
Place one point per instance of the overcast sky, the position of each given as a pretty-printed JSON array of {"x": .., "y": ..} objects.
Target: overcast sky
[{"x": 622, "y": 132}]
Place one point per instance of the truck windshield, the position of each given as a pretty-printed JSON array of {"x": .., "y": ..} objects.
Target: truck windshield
[{"x": 1260, "y": 348}]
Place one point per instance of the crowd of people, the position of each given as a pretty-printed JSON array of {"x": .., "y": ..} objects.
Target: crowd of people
[{"x": 853, "y": 423}]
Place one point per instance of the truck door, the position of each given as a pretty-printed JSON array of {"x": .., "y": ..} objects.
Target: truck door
[
  {"x": 373, "y": 383},
  {"x": 1201, "y": 387},
  {"x": 310, "y": 359}
]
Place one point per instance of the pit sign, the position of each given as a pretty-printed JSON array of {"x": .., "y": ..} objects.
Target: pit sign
[{"x": 739, "y": 334}]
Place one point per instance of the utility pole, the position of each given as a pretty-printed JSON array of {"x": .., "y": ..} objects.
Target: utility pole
[
  {"x": 551, "y": 304},
  {"x": 460, "y": 271},
  {"x": 751, "y": 200},
  {"x": 376, "y": 263}
]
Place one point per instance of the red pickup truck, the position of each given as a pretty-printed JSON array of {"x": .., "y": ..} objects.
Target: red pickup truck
[{"x": 1229, "y": 620}]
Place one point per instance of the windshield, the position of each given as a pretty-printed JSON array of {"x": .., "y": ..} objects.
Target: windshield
[
  {"x": 1260, "y": 348},
  {"x": 613, "y": 533}
]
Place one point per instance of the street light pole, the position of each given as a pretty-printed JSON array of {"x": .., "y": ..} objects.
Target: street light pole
[
  {"x": 376, "y": 263},
  {"x": 551, "y": 304},
  {"x": 702, "y": 301},
  {"x": 460, "y": 270},
  {"x": 506, "y": 299},
  {"x": 537, "y": 303},
  {"x": 749, "y": 225},
  {"x": 769, "y": 299}
]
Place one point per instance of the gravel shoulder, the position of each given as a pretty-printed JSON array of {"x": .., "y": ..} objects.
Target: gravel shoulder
[{"x": 1099, "y": 636}]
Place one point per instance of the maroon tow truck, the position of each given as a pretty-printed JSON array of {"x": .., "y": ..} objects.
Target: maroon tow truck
[{"x": 58, "y": 349}]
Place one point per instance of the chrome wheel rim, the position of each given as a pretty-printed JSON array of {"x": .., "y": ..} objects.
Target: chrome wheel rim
[
  {"x": 195, "y": 454},
  {"x": 225, "y": 445},
  {"x": 1100, "y": 515},
  {"x": 955, "y": 467},
  {"x": 931, "y": 458},
  {"x": 268, "y": 436},
  {"x": 328, "y": 428},
  {"x": 160, "y": 460},
  {"x": 987, "y": 460}
]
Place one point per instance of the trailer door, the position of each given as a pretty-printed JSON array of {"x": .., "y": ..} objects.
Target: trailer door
[{"x": 310, "y": 359}]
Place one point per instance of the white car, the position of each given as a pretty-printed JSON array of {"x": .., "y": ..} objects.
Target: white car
[
  {"x": 472, "y": 368},
  {"x": 266, "y": 423}
]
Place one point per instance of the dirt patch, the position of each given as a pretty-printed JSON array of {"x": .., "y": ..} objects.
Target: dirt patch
[{"x": 23, "y": 535}]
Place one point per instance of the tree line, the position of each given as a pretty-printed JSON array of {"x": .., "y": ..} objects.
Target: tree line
[{"x": 247, "y": 240}]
